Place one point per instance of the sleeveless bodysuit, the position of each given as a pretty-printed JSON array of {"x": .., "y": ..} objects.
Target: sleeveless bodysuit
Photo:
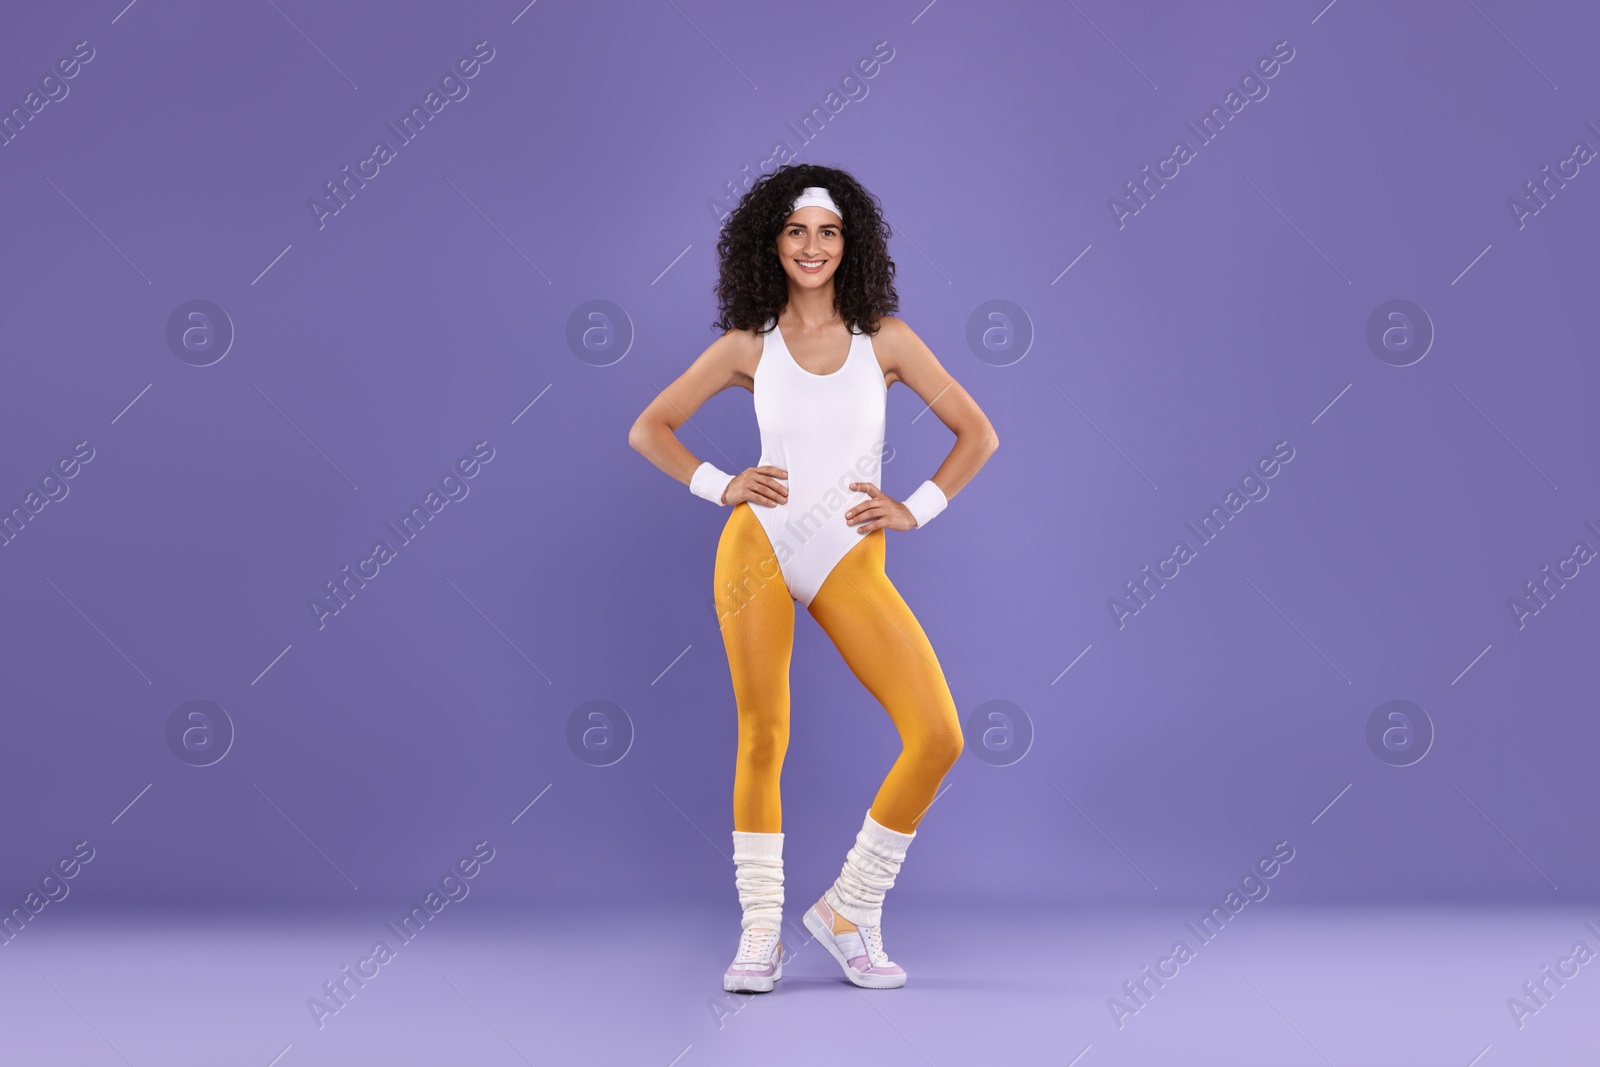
[{"x": 827, "y": 431}]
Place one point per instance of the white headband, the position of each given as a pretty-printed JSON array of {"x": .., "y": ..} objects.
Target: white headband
[{"x": 816, "y": 196}]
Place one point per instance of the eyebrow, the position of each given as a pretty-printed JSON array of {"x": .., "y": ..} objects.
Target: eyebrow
[{"x": 820, "y": 225}]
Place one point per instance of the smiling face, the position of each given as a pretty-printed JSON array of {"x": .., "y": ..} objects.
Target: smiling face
[{"x": 810, "y": 246}]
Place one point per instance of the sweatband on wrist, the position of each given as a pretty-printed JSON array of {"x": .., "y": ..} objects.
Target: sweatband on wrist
[
  {"x": 926, "y": 502},
  {"x": 710, "y": 483}
]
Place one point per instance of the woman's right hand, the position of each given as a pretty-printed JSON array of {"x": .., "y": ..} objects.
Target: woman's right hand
[{"x": 759, "y": 485}]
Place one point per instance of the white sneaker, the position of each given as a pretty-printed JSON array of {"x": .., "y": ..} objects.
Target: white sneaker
[
  {"x": 758, "y": 964},
  {"x": 859, "y": 951}
]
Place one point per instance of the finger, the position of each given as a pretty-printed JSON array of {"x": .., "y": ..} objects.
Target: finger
[
  {"x": 769, "y": 496},
  {"x": 771, "y": 487},
  {"x": 864, "y": 504},
  {"x": 776, "y": 472},
  {"x": 865, "y": 513}
]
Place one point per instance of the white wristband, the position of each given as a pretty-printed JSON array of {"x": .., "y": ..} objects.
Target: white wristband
[
  {"x": 926, "y": 502},
  {"x": 710, "y": 483}
]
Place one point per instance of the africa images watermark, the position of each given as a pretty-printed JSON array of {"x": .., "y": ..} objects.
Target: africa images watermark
[
  {"x": 1252, "y": 887},
  {"x": 1253, "y": 484},
  {"x": 1142, "y": 190},
  {"x": 53, "y": 89},
  {"x": 453, "y": 887},
  {"x": 852, "y": 88},
  {"x": 1537, "y": 992},
  {"x": 1538, "y": 592},
  {"x": 52, "y": 889},
  {"x": 342, "y": 590},
  {"x": 52, "y": 484},
  {"x": 1538, "y": 192},
  {"x": 453, "y": 85},
  {"x": 739, "y": 592}
]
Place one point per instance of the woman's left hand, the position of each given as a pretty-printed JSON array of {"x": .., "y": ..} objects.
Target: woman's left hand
[{"x": 881, "y": 512}]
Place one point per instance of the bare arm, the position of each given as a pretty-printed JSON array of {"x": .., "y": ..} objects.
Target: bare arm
[
  {"x": 976, "y": 440},
  {"x": 729, "y": 360}
]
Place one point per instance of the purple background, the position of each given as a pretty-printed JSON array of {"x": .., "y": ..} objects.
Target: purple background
[{"x": 372, "y": 352}]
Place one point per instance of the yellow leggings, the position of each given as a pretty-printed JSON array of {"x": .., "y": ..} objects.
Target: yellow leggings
[{"x": 881, "y": 642}]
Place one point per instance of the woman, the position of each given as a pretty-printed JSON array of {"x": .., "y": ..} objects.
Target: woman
[{"x": 805, "y": 288}]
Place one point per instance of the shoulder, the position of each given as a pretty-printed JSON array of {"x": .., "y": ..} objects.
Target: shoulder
[
  {"x": 896, "y": 347},
  {"x": 893, "y": 335},
  {"x": 745, "y": 340},
  {"x": 896, "y": 341},
  {"x": 738, "y": 345},
  {"x": 735, "y": 355}
]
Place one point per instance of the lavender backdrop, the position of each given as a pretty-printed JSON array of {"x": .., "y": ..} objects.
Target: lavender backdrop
[{"x": 1377, "y": 258}]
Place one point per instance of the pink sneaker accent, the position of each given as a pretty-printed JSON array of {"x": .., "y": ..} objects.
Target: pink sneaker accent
[
  {"x": 859, "y": 951},
  {"x": 758, "y": 964}
]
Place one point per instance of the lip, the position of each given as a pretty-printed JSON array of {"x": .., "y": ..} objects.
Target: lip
[{"x": 821, "y": 263}]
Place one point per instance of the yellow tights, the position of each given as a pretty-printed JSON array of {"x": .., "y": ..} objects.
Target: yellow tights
[{"x": 882, "y": 643}]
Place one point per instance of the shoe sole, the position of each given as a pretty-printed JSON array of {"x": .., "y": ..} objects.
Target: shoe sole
[
  {"x": 824, "y": 936},
  {"x": 752, "y": 984}
]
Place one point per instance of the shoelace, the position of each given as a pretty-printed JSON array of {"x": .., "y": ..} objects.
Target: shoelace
[
  {"x": 873, "y": 938},
  {"x": 755, "y": 945}
]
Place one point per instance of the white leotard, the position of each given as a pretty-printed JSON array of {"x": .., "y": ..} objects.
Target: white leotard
[{"x": 827, "y": 431}]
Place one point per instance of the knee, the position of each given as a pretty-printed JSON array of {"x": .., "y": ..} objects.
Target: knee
[
  {"x": 762, "y": 744},
  {"x": 940, "y": 748}
]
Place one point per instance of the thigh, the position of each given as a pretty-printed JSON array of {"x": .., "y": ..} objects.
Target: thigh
[
  {"x": 755, "y": 611},
  {"x": 881, "y": 641}
]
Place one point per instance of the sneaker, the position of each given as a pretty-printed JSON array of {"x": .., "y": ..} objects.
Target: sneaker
[
  {"x": 758, "y": 964},
  {"x": 859, "y": 951}
]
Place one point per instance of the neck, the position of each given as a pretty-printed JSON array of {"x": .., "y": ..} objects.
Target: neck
[{"x": 811, "y": 308}]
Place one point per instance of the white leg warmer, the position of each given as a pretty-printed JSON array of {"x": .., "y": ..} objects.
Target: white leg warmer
[
  {"x": 758, "y": 873},
  {"x": 869, "y": 871}
]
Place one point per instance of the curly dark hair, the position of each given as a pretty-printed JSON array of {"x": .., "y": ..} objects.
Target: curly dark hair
[{"x": 751, "y": 284}]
